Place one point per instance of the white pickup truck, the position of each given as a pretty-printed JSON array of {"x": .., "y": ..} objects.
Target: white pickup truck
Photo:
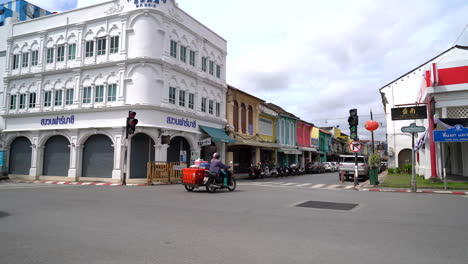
[{"x": 346, "y": 165}]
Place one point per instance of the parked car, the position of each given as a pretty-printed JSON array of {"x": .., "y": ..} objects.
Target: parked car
[
  {"x": 315, "y": 167},
  {"x": 346, "y": 165},
  {"x": 330, "y": 166}
]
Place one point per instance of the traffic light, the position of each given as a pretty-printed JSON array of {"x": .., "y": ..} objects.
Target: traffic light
[
  {"x": 353, "y": 121},
  {"x": 131, "y": 123}
]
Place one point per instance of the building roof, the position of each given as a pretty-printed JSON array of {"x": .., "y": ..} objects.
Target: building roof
[
  {"x": 305, "y": 122},
  {"x": 281, "y": 111},
  {"x": 245, "y": 93},
  {"x": 454, "y": 47},
  {"x": 324, "y": 131}
]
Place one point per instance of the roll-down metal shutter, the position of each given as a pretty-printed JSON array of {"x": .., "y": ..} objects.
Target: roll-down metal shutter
[
  {"x": 142, "y": 152},
  {"x": 20, "y": 156},
  {"x": 56, "y": 156},
  {"x": 98, "y": 157}
]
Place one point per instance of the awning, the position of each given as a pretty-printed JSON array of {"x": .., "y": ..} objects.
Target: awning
[
  {"x": 254, "y": 143},
  {"x": 308, "y": 149},
  {"x": 290, "y": 151},
  {"x": 217, "y": 134}
]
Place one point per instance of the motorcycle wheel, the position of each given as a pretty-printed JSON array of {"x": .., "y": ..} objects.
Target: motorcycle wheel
[
  {"x": 210, "y": 186},
  {"x": 189, "y": 188},
  {"x": 232, "y": 185}
]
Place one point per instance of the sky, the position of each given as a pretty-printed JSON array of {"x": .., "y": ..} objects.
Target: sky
[{"x": 319, "y": 58}]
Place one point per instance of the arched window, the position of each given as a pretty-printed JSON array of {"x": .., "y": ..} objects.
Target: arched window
[
  {"x": 235, "y": 111},
  {"x": 243, "y": 119},
  {"x": 250, "y": 121}
]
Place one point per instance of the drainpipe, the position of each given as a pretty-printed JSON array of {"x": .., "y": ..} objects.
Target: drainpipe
[{"x": 431, "y": 133}]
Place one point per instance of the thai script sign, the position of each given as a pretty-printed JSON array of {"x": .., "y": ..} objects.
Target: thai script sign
[
  {"x": 408, "y": 113},
  {"x": 59, "y": 120},
  {"x": 181, "y": 122},
  {"x": 204, "y": 142},
  {"x": 147, "y": 3},
  {"x": 456, "y": 134}
]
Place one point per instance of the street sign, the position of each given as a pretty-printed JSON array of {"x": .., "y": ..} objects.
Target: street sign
[
  {"x": 456, "y": 134},
  {"x": 408, "y": 113},
  {"x": 413, "y": 128},
  {"x": 355, "y": 146},
  {"x": 204, "y": 142}
]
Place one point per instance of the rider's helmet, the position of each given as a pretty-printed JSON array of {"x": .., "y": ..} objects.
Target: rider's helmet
[{"x": 216, "y": 155}]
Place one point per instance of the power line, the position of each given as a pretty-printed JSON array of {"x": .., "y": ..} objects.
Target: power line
[
  {"x": 461, "y": 34},
  {"x": 345, "y": 118}
]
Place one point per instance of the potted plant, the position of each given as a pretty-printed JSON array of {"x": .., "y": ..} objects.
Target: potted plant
[{"x": 374, "y": 163}]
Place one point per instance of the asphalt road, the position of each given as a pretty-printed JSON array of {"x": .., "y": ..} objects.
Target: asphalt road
[{"x": 166, "y": 224}]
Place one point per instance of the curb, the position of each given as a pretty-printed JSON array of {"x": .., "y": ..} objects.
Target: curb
[
  {"x": 419, "y": 191},
  {"x": 77, "y": 183}
]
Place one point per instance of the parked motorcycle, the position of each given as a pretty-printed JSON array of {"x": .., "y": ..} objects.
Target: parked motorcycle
[
  {"x": 294, "y": 170},
  {"x": 255, "y": 172},
  {"x": 213, "y": 182},
  {"x": 267, "y": 172}
]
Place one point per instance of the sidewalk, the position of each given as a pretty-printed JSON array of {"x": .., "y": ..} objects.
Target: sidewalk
[{"x": 367, "y": 187}]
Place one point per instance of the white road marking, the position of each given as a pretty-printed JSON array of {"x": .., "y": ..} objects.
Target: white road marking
[
  {"x": 348, "y": 187},
  {"x": 333, "y": 186},
  {"x": 305, "y": 184},
  {"x": 317, "y": 186},
  {"x": 289, "y": 184}
]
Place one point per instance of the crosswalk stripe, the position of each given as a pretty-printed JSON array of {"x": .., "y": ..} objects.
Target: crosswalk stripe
[
  {"x": 317, "y": 186},
  {"x": 289, "y": 184},
  {"x": 333, "y": 186},
  {"x": 348, "y": 187},
  {"x": 305, "y": 184}
]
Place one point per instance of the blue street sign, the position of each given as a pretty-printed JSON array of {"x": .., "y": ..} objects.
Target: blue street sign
[
  {"x": 2, "y": 157},
  {"x": 456, "y": 134}
]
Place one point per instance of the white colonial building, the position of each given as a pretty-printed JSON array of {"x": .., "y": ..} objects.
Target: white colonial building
[
  {"x": 442, "y": 84},
  {"x": 69, "y": 80}
]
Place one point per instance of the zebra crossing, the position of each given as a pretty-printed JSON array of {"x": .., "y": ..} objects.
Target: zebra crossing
[{"x": 346, "y": 186}]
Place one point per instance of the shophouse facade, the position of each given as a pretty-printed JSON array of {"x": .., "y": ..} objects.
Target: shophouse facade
[
  {"x": 304, "y": 143},
  {"x": 243, "y": 111},
  {"x": 71, "y": 78},
  {"x": 441, "y": 84},
  {"x": 325, "y": 139},
  {"x": 267, "y": 123},
  {"x": 286, "y": 132}
]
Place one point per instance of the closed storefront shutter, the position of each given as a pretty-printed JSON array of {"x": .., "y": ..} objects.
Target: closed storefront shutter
[{"x": 56, "y": 156}]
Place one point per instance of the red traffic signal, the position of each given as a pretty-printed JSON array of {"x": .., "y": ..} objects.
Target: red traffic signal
[{"x": 131, "y": 123}]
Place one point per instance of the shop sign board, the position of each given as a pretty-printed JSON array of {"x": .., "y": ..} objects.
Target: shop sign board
[
  {"x": 204, "y": 142},
  {"x": 456, "y": 134},
  {"x": 409, "y": 113}
]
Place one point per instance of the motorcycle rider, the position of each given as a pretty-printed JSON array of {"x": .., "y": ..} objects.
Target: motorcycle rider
[{"x": 216, "y": 165}]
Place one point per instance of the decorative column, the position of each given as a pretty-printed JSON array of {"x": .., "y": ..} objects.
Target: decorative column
[
  {"x": 36, "y": 158},
  {"x": 79, "y": 161},
  {"x": 119, "y": 149},
  {"x": 73, "y": 161},
  {"x": 77, "y": 88},
  {"x": 121, "y": 83},
  {"x": 161, "y": 152},
  {"x": 123, "y": 37}
]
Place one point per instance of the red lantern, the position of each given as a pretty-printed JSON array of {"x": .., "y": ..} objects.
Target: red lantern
[{"x": 371, "y": 125}]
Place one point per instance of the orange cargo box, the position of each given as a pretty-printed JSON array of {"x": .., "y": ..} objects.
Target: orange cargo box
[{"x": 193, "y": 176}]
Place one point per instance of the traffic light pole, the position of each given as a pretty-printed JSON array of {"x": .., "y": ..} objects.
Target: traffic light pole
[{"x": 356, "y": 170}]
